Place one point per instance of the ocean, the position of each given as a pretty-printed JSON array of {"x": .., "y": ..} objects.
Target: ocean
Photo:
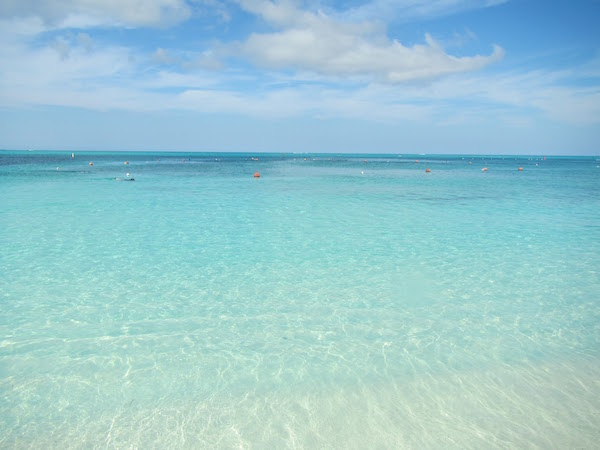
[{"x": 336, "y": 301}]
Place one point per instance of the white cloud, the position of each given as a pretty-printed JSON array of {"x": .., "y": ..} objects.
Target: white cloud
[
  {"x": 321, "y": 44},
  {"x": 580, "y": 106},
  {"x": 312, "y": 101},
  {"x": 175, "y": 81},
  {"x": 322, "y": 66},
  {"x": 85, "y": 13},
  {"x": 19, "y": 30},
  {"x": 162, "y": 56},
  {"x": 78, "y": 73},
  {"x": 554, "y": 95},
  {"x": 187, "y": 61},
  {"x": 85, "y": 41},
  {"x": 56, "y": 73}
]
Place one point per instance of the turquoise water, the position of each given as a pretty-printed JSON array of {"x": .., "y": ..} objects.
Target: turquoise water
[{"x": 335, "y": 302}]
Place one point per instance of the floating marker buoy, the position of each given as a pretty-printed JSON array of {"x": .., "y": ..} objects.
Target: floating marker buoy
[
  {"x": 427, "y": 170},
  {"x": 256, "y": 175},
  {"x": 520, "y": 169},
  {"x": 484, "y": 169},
  {"x": 126, "y": 162},
  {"x": 362, "y": 172}
]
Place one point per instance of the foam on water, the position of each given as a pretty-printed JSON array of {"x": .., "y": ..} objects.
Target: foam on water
[{"x": 334, "y": 302}]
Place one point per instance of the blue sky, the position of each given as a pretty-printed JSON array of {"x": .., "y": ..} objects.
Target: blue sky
[{"x": 385, "y": 76}]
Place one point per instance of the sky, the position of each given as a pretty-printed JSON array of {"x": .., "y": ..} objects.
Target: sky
[{"x": 380, "y": 76}]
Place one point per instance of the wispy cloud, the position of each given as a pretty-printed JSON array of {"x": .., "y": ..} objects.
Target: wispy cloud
[
  {"x": 305, "y": 62},
  {"x": 408, "y": 10},
  {"x": 82, "y": 14}
]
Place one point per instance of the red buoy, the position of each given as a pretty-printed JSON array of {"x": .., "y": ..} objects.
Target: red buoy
[{"x": 256, "y": 175}]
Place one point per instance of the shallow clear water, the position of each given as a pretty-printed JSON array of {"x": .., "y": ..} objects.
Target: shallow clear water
[{"x": 337, "y": 301}]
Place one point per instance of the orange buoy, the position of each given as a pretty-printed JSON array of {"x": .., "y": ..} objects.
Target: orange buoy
[
  {"x": 484, "y": 169},
  {"x": 91, "y": 163},
  {"x": 427, "y": 170},
  {"x": 256, "y": 175},
  {"x": 520, "y": 168}
]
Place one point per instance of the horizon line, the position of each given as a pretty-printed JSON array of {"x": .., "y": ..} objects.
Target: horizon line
[{"x": 283, "y": 153}]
